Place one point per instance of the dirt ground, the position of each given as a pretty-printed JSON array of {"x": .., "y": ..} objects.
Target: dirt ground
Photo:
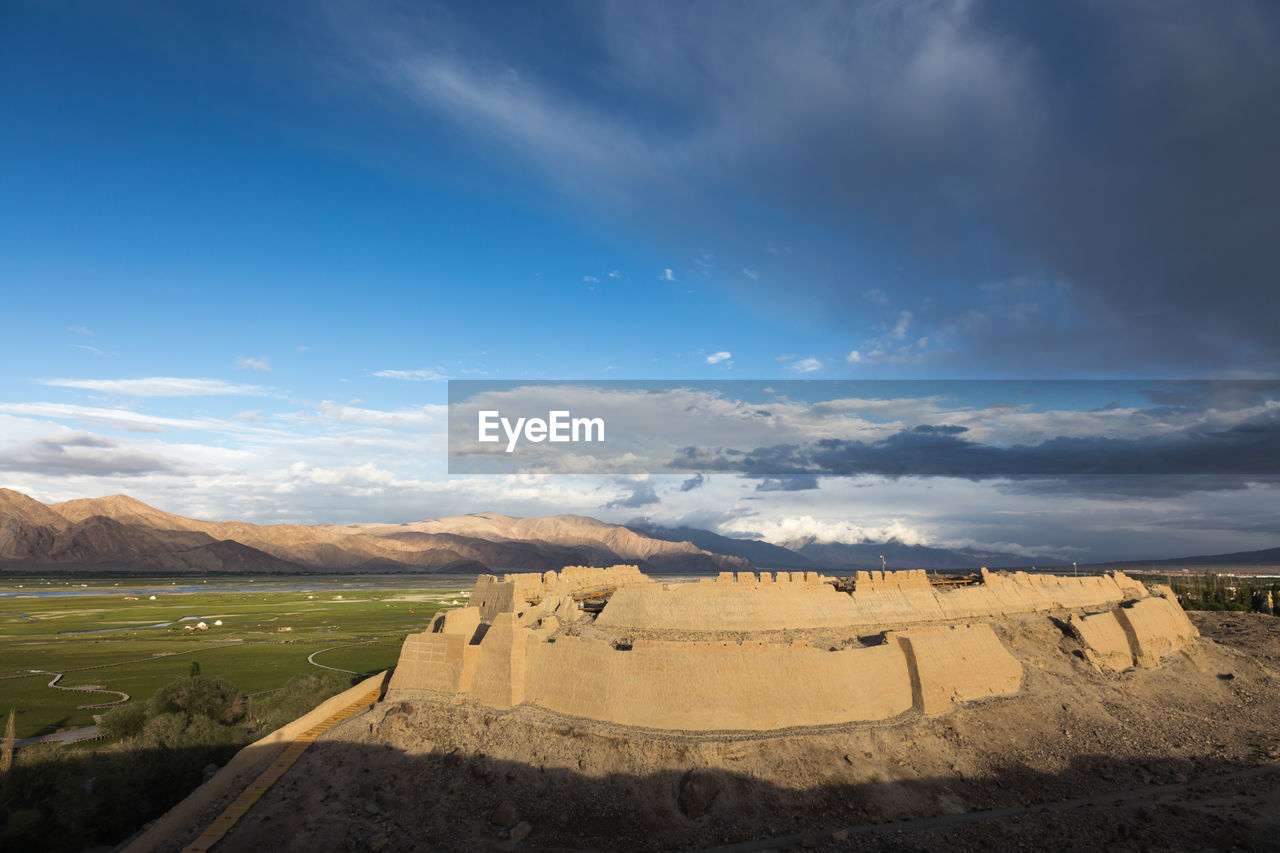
[{"x": 1184, "y": 757}]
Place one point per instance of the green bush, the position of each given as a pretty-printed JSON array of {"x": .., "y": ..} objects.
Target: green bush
[
  {"x": 197, "y": 696},
  {"x": 123, "y": 721},
  {"x": 299, "y": 695}
]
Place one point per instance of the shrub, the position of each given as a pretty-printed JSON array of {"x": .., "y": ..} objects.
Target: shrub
[
  {"x": 198, "y": 696},
  {"x": 123, "y": 721}
]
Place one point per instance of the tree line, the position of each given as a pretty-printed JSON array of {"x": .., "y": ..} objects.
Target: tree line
[{"x": 1213, "y": 591}]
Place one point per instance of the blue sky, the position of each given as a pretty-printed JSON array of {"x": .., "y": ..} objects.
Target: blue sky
[{"x": 301, "y": 218}]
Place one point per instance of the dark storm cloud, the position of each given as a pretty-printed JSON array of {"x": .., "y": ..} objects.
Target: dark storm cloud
[
  {"x": 1122, "y": 150},
  {"x": 1111, "y": 486},
  {"x": 1201, "y": 396},
  {"x": 642, "y": 494},
  {"x": 797, "y": 483},
  {"x": 1245, "y": 450},
  {"x": 80, "y": 454},
  {"x": 1093, "y": 182},
  {"x": 692, "y": 483}
]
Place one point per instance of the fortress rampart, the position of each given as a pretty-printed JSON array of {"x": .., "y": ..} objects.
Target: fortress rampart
[
  {"x": 786, "y": 600},
  {"x": 655, "y": 655}
]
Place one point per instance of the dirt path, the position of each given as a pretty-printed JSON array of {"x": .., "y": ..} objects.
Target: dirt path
[
  {"x": 311, "y": 658},
  {"x": 124, "y": 697},
  {"x": 63, "y": 737}
]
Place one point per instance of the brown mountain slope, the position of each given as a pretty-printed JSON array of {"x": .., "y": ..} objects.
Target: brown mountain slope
[
  {"x": 568, "y": 530},
  {"x": 28, "y": 510},
  {"x": 84, "y": 534},
  {"x": 122, "y": 530},
  {"x": 124, "y": 509}
]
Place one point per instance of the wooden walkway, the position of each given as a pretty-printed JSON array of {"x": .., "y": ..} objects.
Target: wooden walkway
[{"x": 240, "y": 805}]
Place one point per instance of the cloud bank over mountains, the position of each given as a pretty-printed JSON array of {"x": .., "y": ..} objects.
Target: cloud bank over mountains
[{"x": 853, "y": 455}]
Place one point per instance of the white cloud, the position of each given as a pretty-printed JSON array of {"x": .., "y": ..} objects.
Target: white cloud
[
  {"x": 430, "y": 417},
  {"x": 876, "y": 295},
  {"x": 590, "y": 279},
  {"x": 888, "y": 347},
  {"x": 425, "y": 374},
  {"x": 807, "y": 365},
  {"x": 97, "y": 353},
  {"x": 717, "y": 357},
  {"x": 261, "y": 365},
  {"x": 157, "y": 386},
  {"x": 785, "y": 357},
  {"x": 751, "y": 274},
  {"x": 80, "y": 330},
  {"x": 615, "y": 274},
  {"x": 667, "y": 275},
  {"x": 792, "y": 528},
  {"x": 120, "y": 419},
  {"x": 899, "y": 330}
]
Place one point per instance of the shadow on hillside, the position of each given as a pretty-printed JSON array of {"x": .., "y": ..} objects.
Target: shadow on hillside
[
  {"x": 347, "y": 796},
  {"x": 64, "y": 799}
]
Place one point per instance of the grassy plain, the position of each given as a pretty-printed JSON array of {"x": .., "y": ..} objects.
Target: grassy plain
[{"x": 110, "y": 633}]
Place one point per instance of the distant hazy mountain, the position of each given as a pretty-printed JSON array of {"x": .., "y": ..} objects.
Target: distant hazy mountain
[
  {"x": 840, "y": 556},
  {"x": 1267, "y": 557},
  {"x": 764, "y": 555},
  {"x": 812, "y": 553},
  {"x": 122, "y": 533}
]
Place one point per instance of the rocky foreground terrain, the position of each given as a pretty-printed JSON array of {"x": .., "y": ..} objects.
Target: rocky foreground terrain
[{"x": 1182, "y": 757}]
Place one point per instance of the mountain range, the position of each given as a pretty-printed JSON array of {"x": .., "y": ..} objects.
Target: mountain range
[
  {"x": 119, "y": 533},
  {"x": 812, "y": 553}
]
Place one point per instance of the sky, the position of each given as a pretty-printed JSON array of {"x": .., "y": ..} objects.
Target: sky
[{"x": 243, "y": 247}]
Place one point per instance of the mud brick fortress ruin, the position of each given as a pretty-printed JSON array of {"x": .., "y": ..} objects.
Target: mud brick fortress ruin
[{"x": 763, "y": 651}]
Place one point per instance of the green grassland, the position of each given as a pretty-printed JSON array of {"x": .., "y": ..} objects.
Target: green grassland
[{"x": 117, "y": 648}]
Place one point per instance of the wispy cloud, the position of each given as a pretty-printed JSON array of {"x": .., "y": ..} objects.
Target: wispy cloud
[
  {"x": 261, "y": 365},
  {"x": 889, "y": 347},
  {"x": 158, "y": 386},
  {"x": 717, "y": 357},
  {"x": 423, "y": 374},
  {"x": 415, "y": 417},
  {"x": 667, "y": 275},
  {"x": 807, "y": 365},
  {"x": 94, "y": 351},
  {"x": 122, "y": 419}
]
